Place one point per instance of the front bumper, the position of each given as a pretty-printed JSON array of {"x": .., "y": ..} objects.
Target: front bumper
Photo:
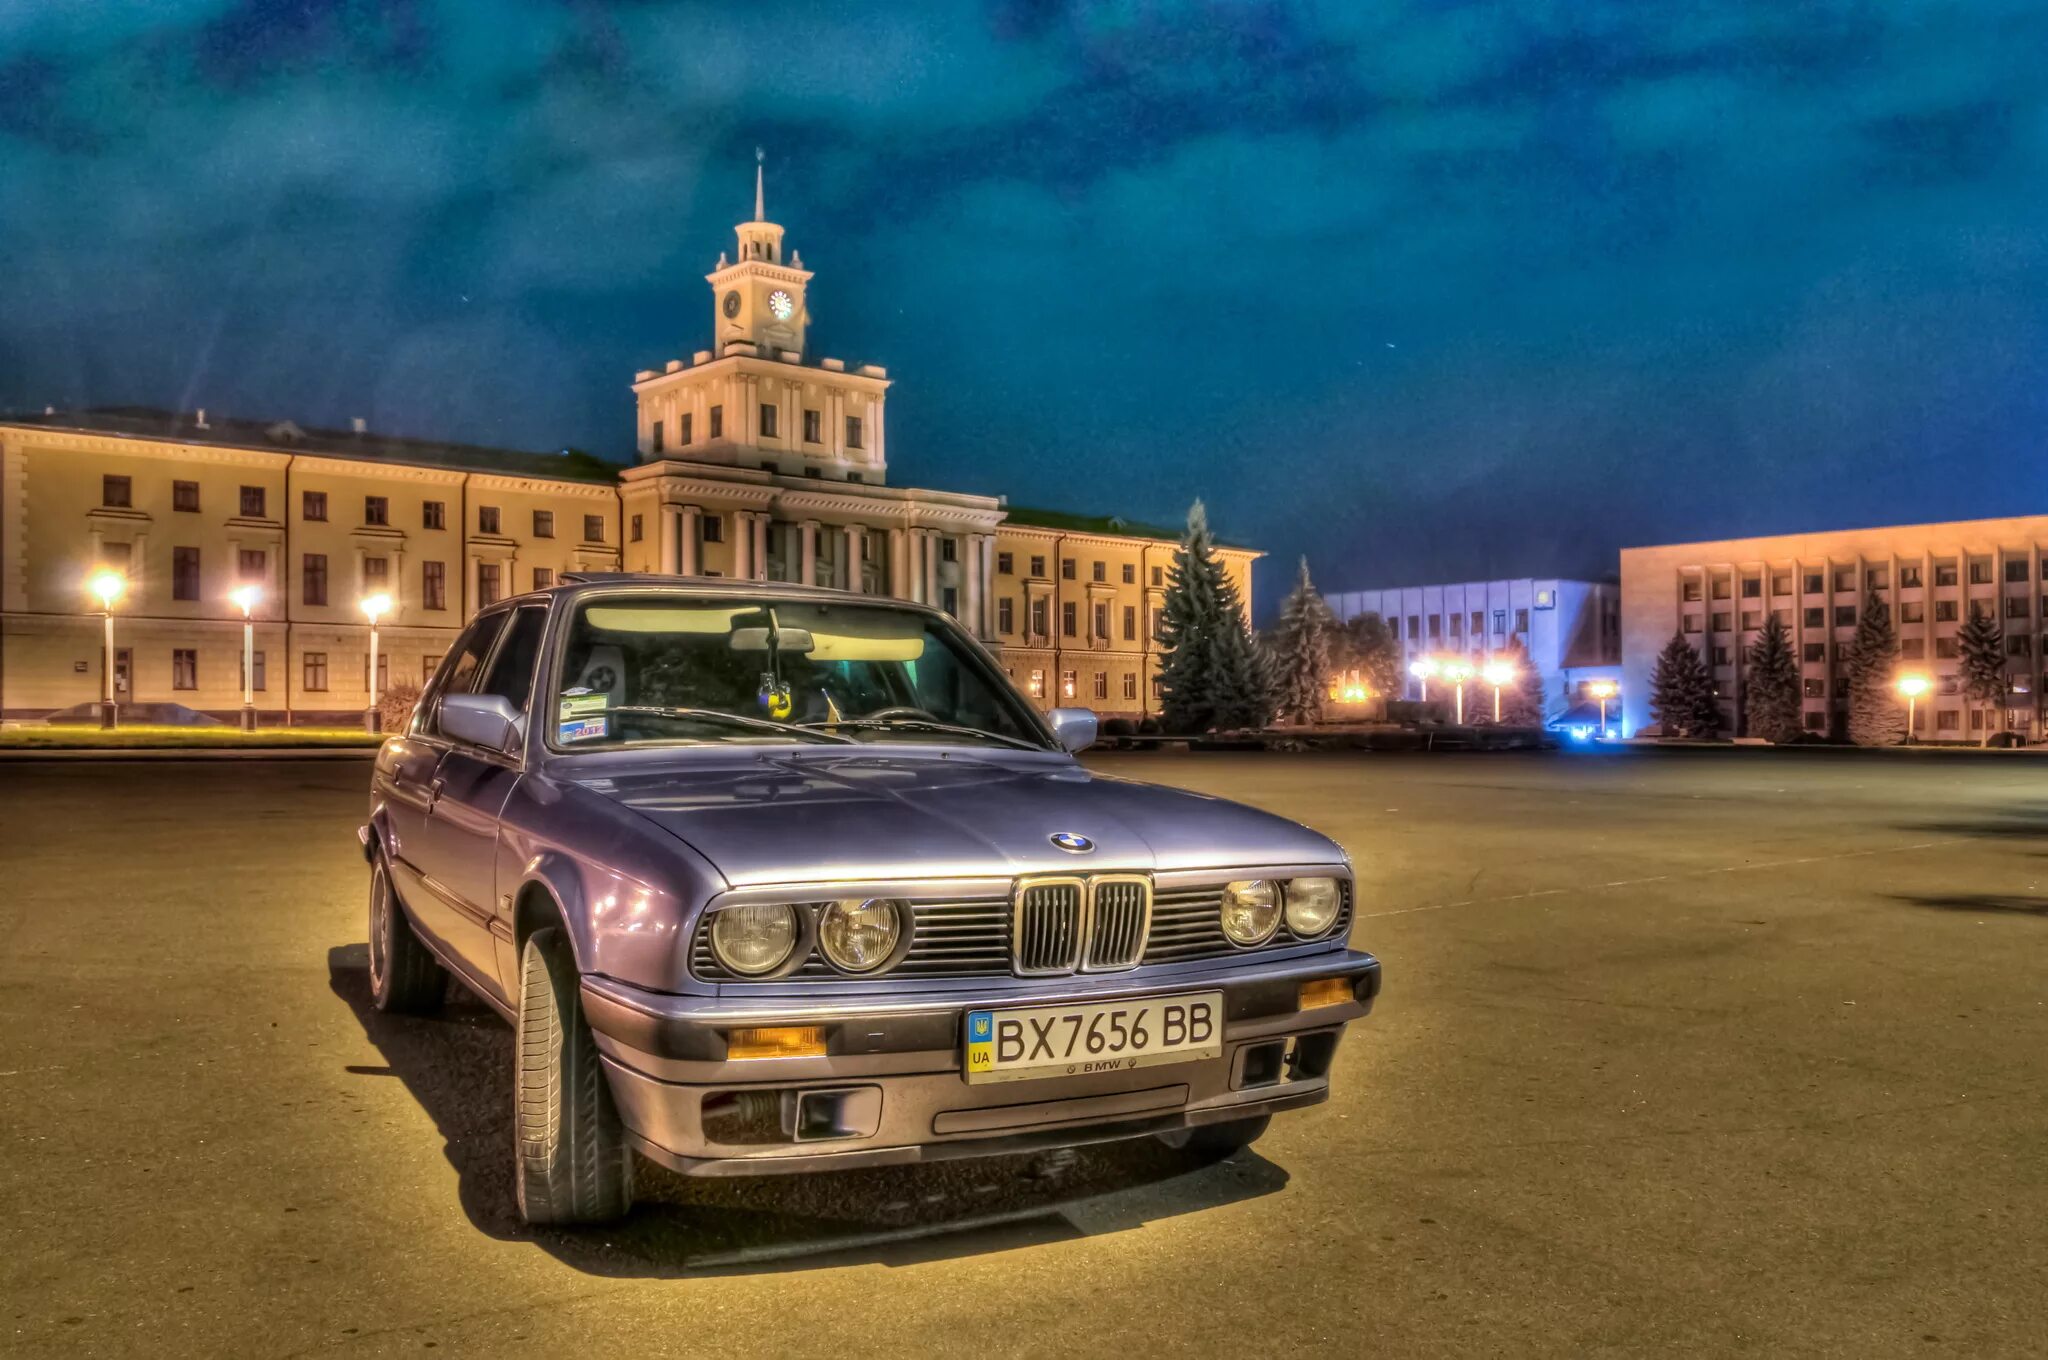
[{"x": 890, "y": 1087}]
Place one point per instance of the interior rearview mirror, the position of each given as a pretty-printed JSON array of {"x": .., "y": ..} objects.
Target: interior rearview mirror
[
  {"x": 486, "y": 720},
  {"x": 795, "y": 640}
]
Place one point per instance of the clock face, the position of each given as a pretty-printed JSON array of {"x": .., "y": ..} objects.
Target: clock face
[
  {"x": 780, "y": 303},
  {"x": 732, "y": 304}
]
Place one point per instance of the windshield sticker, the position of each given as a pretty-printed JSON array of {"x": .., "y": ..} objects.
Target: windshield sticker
[
  {"x": 585, "y": 729},
  {"x": 576, "y": 704}
]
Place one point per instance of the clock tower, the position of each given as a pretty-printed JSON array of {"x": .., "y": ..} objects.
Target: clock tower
[{"x": 758, "y": 299}]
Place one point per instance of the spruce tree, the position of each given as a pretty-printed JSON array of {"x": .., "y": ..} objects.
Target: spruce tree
[
  {"x": 1301, "y": 653},
  {"x": 1521, "y": 700},
  {"x": 1371, "y": 648},
  {"x": 1770, "y": 691},
  {"x": 1682, "y": 692},
  {"x": 1876, "y": 717},
  {"x": 1209, "y": 666},
  {"x": 1981, "y": 644}
]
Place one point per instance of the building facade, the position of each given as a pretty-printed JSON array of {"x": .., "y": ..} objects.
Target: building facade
[
  {"x": 1929, "y": 576},
  {"x": 1571, "y": 629},
  {"x": 755, "y": 462}
]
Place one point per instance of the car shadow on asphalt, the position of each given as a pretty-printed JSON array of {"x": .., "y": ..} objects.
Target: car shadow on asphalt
[
  {"x": 1983, "y": 904},
  {"x": 458, "y": 1065}
]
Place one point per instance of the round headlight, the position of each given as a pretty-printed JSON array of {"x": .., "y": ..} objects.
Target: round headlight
[
  {"x": 1251, "y": 910},
  {"x": 859, "y": 936},
  {"x": 1312, "y": 905},
  {"x": 754, "y": 940}
]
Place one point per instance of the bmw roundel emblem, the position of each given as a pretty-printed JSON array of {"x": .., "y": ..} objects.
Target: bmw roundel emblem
[{"x": 1072, "y": 844}]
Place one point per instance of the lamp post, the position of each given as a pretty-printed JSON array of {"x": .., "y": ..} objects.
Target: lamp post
[
  {"x": 1458, "y": 672},
  {"x": 1603, "y": 690},
  {"x": 1422, "y": 667},
  {"x": 106, "y": 587},
  {"x": 1497, "y": 673},
  {"x": 374, "y": 606},
  {"x": 1912, "y": 686},
  {"x": 248, "y": 597}
]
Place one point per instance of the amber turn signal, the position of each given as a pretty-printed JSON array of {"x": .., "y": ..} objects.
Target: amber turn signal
[
  {"x": 1325, "y": 992},
  {"x": 776, "y": 1041}
]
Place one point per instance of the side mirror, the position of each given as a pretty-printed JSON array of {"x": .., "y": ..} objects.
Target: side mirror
[
  {"x": 1073, "y": 728},
  {"x": 486, "y": 720}
]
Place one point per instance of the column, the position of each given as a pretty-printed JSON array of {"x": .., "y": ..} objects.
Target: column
[
  {"x": 743, "y": 545},
  {"x": 760, "y": 546},
  {"x": 469, "y": 584},
  {"x": 988, "y": 585},
  {"x": 899, "y": 576},
  {"x": 931, "y": 567},
  {"x": 970, "y": 616},
  {"x": 855, "y": 537},
  {"x": 690, "y": 566},
  {"x": 665, "y": 532},
  {"x": 809, "y": 529}
]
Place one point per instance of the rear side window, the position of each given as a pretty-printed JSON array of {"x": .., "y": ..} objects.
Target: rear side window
[
  {"x": 459, "y": 671},
  {"x": 511, "y": 673}
]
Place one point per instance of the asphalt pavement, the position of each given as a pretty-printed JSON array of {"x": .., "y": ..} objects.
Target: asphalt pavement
[{"x": 1680, "y": 1052}]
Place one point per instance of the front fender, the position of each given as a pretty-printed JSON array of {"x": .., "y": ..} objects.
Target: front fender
[{"x": 627, "y": 891}]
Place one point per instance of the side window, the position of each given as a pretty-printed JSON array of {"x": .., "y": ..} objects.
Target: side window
[
  {"x": 511, "y": 673},
  {"x": 458, "y": 672}
]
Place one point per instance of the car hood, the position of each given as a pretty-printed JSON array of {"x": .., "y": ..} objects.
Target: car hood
[{"x": 792, "y": 818}]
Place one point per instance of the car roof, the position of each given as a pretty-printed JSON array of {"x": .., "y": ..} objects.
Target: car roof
[{"x": 576, "y": 583}]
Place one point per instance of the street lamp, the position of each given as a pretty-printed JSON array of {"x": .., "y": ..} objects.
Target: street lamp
[
  {"x": 1912, "y": 686},
  {"x": 1497, "y": 673},
  {"x": 374, "y": 605},
  {"x": 1422, "y": 668},
  {"x": 1458, "y": 671},
  {"x": 1603, "y": 690},
  {"x": 107, "y": 586},
  {"x": 248, "y": 597}
]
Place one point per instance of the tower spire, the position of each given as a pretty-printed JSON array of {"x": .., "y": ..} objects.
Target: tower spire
[{"x": 760, "y": 208}]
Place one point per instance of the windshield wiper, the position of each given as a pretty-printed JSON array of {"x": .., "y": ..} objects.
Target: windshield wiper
[
  {"x": 922, "y": 725},
  {"x": 733, "y": 719}
]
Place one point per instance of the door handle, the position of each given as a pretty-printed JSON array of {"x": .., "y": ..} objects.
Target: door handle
[{"x": 434, "y": 788}]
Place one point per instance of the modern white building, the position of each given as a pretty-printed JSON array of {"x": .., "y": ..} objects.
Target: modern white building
[{"x": 1571, "y": 629}]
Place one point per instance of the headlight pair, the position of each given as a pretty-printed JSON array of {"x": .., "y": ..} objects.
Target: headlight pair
[
  {"x": 856, "y": 935},
  {"x": 1253, "y": 908}
]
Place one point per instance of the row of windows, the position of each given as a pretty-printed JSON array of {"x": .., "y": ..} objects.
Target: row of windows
[
  {"x": 1070, "y": 617},
  {"x": 1435, "y": 624},
  {"x": 1910, "y": 649},
  {"x": 1006, "y": 565},
  {"x": 1946, "y": 573},
  {"x": 312, "y": 672},
  {"x": 1034, "y": 685},
  {"x": 814, "y": 427},
  {"x": 117, "y": 492},
  {"x": 2017, "y": 607}
]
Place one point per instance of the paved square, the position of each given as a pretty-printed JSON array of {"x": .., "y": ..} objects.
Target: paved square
[{"x": 1700, "y": 1052}]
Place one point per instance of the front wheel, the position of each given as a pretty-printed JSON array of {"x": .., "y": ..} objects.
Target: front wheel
[{"x": 573, "y": 1164}]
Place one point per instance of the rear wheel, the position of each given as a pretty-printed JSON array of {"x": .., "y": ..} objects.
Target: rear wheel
[
  {"x": 1220, "y": 1140},
  {"x": 405, "y": 977},
  {"x": 573, "y": 1165}
]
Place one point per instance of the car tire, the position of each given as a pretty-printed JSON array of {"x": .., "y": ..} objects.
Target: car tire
[
  {"x": 573, "y": 1163},
  {"x": 405, "y": 977},
  {"x": 1220, "y": 1140}
]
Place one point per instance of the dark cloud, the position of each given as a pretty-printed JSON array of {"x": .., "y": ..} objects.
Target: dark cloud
[{"x": 1423, "y": 289}]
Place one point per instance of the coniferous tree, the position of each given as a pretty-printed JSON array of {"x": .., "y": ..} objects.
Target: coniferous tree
[
  {"x": 1875, "y": 715},
  {"x": 1981, "y": 645},
  {"x": 1770, "y": 691},
  {"x": 1210, "y": 675},
  {"x": 1682, "y": 692},
  {"x": 1300, "y": 649},
  {"x": 1521, "y": 700},
  {"x": 1369, "y": 646}
]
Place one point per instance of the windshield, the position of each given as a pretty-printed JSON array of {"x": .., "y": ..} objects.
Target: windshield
[{"x": 644, "y": 668}]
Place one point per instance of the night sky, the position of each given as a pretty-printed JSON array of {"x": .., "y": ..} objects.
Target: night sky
[{"x": 1424, "y": 290}]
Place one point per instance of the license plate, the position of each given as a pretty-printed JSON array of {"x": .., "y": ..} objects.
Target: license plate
[{"x": 1110, "y": 1036}]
